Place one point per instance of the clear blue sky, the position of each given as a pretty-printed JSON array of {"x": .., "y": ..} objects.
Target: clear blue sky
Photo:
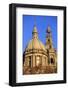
[{"x": 42, "y": 23}]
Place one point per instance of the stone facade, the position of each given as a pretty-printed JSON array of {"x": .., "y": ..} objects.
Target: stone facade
[{"x": 39, "y": 58}]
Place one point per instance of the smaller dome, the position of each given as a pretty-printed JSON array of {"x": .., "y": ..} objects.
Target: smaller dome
[
  {"x": 34, "y": 30},
  {"x": 35, "y": 33}
]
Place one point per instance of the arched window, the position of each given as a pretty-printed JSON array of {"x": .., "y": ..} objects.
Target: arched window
[
  {"x": 38, "y": 61},
  {"x": 52, "y": 61},
  {"x": 48, "y": 40}
]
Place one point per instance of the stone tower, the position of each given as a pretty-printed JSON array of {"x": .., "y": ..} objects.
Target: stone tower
[{"x": 50, "y": 49}]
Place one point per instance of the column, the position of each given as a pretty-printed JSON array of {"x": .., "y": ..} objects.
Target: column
[{"x": 33, "y": 61}]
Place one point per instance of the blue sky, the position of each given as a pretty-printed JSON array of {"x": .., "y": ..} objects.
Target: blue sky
[{"x": 42, "y": 23}]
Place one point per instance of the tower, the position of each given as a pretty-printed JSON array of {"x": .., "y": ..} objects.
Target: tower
[{"x": 50, "y": 49}]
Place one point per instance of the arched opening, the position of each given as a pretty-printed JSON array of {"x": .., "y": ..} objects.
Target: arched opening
[
  {"x": 48, "y": 40},
  {"x": 52, "y": 61}
]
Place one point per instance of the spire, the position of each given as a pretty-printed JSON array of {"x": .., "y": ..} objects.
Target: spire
[
  {"x": 48, "y": 29},
  {"x": 49, "y": 38},
  {"x": 35, "y": 33}
]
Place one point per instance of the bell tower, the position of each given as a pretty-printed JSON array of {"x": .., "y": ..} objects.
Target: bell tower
[{"x": 49, "y": 38}]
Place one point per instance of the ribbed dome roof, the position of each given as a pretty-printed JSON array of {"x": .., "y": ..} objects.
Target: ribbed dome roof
[{"x": 35, "y": 44}]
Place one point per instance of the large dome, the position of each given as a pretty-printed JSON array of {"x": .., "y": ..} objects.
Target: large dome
[{"x": 35, "y": 44}]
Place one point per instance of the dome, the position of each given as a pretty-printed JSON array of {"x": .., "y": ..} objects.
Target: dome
[
  {"x": 35, "y": 30},
  {"x": 35, "y": 44}
]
